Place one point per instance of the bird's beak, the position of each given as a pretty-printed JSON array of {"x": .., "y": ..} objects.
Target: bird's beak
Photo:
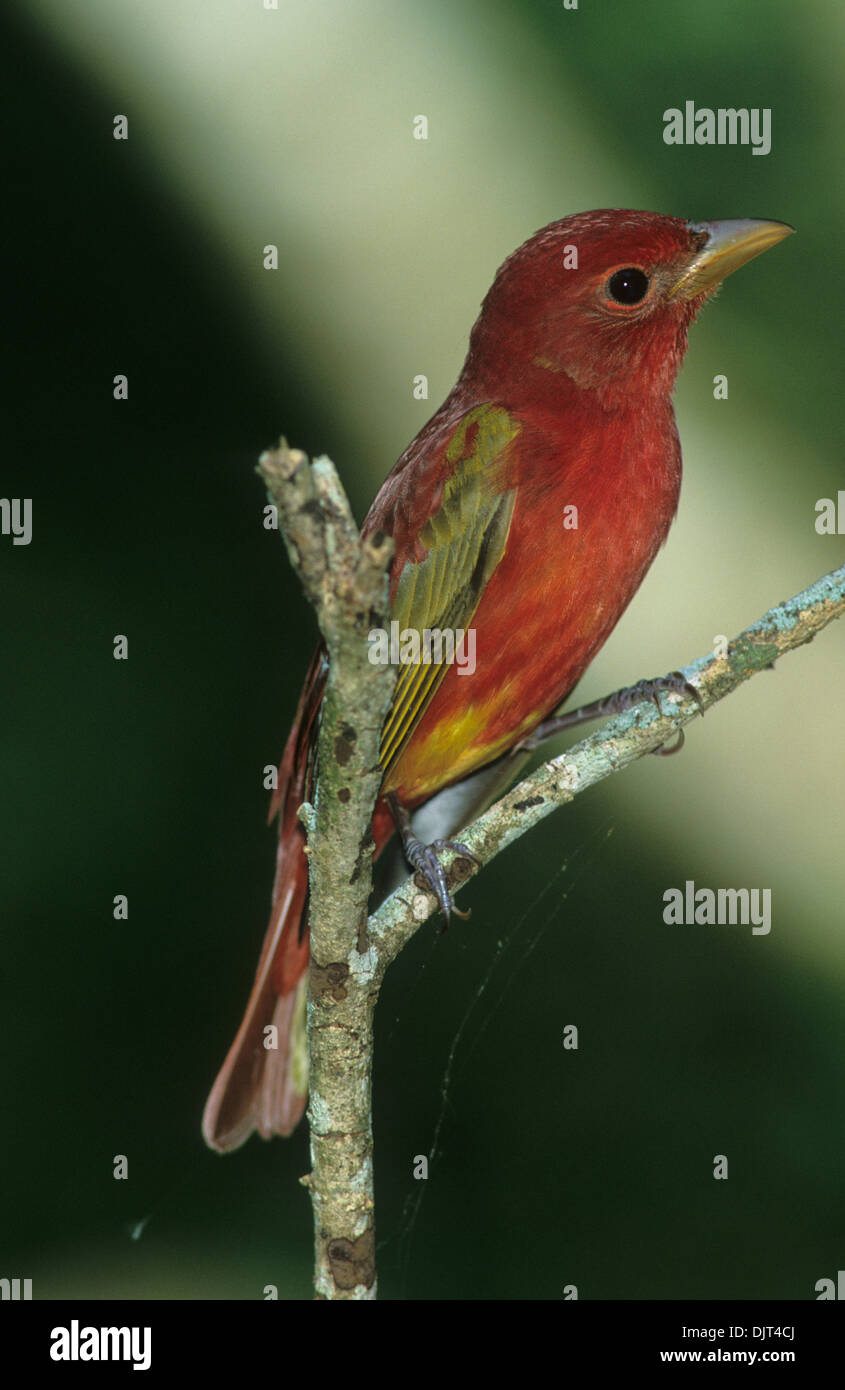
[{"x": 728, "y": 246}]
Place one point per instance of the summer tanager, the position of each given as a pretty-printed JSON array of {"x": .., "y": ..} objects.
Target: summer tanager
[{"x": 562, "y": 414}]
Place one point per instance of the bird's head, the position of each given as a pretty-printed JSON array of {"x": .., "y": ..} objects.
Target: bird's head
[{"x": 606, "y": 299}]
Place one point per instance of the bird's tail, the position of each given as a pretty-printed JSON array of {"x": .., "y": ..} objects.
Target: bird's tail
[{"x": 263, "y": 1083}]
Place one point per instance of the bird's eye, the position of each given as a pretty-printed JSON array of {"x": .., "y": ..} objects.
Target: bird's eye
[{"x": 628, "y": 286}]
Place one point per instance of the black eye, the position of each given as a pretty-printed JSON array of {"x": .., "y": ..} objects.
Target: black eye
[{"x": 628, "y": 286}]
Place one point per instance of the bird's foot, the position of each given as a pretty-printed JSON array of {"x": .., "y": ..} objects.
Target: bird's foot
[
  {"x": 424, "y": 859},
  {"x": 676, "y": 683}
]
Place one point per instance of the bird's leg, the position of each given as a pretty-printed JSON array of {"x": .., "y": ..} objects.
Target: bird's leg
[
  {"x": 423, "y": 858},
  {"x": 615, "y": 704}
]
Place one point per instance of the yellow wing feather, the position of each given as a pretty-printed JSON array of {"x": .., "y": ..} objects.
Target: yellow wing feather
[{"x": 465, "y": 540}]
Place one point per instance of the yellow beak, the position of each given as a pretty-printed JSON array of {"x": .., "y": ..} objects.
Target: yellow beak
[{"x": 729, "y": 245}]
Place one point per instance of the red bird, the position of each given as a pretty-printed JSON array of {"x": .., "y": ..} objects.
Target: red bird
[{"x": 528, "y": 509}]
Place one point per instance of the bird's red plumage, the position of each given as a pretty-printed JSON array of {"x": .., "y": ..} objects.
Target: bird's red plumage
[{"x": 584, "y": 382}]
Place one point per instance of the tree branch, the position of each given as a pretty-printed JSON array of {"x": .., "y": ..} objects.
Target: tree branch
[
  {"x": 345, "y": 579},
  {"x": 615, "y": 745}
]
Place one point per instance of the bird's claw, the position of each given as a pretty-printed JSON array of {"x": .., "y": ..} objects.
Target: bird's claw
[
  {"x": 667, "y": 749},
  {"x": 425, "y": 860},
  {"x": 675, "y": 683}
]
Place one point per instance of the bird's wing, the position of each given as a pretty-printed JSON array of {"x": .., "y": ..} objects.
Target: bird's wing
[{"x": 455, "y": 552}]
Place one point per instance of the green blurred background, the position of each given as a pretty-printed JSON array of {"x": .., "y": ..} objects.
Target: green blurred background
[{"x": 294, "y": 127}]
